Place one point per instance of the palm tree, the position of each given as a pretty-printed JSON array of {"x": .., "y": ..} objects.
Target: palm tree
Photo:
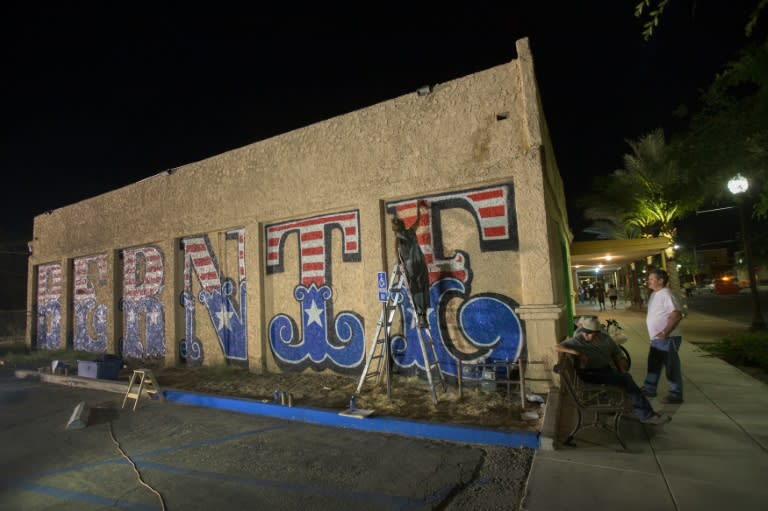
[{"x": 648, "y": 195}]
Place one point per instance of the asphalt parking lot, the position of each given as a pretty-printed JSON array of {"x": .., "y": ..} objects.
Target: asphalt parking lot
[{"x": 197, "y": 458}]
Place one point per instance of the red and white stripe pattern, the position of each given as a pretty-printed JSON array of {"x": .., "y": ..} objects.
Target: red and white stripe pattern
[
  {"x": 48, "y": 283},
  {"x": 84, "y": 288},
  {"x": 490, "y": 206},
  {"x": 312, "y": 243},
  {"x": 197, "y": 256},
  {"x": 240, "y": 251},
  {"x": 152, "y": 280},
  {"x": 407, "y": 212}
]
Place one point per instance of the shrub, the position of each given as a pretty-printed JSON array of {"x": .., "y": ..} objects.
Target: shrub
[
  {"x": 748, "y": 349},
  {"x": 17, "y": 347}
]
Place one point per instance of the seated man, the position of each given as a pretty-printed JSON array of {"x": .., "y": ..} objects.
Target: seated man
[{"x": 601, "y": 361}]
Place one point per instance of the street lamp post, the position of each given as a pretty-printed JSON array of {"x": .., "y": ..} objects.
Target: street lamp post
[{"x": 737, "y": 185}]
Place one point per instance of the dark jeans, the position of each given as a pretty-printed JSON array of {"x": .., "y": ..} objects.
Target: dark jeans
[
  {"x": 665, "y": 359},
  {"x": 607, "y": 376}
]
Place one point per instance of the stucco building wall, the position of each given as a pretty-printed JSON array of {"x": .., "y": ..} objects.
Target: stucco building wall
[{"x": 267, "y": 255}]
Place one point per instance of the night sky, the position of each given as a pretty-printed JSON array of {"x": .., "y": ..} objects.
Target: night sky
[{"x": 100, "y": 97}]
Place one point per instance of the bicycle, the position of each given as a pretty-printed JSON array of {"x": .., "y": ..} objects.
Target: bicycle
[{"x": 612, "y": 328}]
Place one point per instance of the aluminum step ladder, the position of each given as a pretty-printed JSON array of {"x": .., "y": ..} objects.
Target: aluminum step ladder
[{"x": 379, "y": 352}]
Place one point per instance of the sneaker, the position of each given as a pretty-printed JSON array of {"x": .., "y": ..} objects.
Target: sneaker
[
  {"x": 671, "y": 399},
  {"x": 656, "y": 419},
  {"x": 648, "y": 393}
]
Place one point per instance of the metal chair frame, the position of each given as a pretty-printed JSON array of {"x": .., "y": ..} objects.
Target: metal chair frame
[{"x": 606, "y": 404}]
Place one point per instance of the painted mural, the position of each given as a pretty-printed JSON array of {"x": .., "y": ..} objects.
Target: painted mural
[
  {"x": 464, "y": 326},
  {"x": 143, "y": 312},
  {"x": 222, "y": 298},
  {"x": 49, "y": 297},
  {"x": 90, "y": 322},
  {"x": 315, "y": 337}
]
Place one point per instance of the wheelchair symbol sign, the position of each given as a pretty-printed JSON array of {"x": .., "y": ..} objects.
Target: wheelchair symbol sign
[{"x": 382, "y": 281}]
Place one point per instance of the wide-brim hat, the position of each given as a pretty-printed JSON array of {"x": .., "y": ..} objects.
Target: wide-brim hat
[{"x": 589, "y": 324}]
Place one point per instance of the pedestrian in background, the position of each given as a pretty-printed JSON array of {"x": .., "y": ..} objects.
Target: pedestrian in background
[
  {"x": 663, "y": 319},
  {"x": 613, "y": 295},
  {"x": 600, "y": 293}
]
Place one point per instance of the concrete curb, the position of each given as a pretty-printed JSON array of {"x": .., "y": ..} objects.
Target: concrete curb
[
  {"x": 75, "y": 381},
  {"x": 548, "y": 434},
  {"x": 374, "y": 424}
]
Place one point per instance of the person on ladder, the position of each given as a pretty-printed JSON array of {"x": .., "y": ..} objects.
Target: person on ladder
[{"x": 414, "y": 266}]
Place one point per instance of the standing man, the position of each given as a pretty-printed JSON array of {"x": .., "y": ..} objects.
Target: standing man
[
  {"x": 413, "y": 264},
  {"x": 664, "y": 314}
]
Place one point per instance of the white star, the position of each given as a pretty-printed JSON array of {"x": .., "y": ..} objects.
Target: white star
[
  {"x": 153, "y": 317},
  {"x": 313, "y": 314},
  {"x": 224, "y": 317}
]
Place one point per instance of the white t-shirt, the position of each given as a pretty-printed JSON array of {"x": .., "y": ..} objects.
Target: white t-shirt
[{"x": 661, "y": 304}]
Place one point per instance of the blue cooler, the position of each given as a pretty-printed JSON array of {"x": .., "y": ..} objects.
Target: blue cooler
[{"x": 109, "y": 367}]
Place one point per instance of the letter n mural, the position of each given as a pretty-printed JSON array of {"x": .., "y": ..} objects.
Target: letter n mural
[
  {"x": 464, "y": 326},
  {"x": 49, "y": 296},
  {"x": 323, "y": 341},
  {"x": 224, "y": 299}
]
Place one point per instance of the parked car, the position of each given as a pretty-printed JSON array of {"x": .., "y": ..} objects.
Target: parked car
[{"x": 726, "y": 286}]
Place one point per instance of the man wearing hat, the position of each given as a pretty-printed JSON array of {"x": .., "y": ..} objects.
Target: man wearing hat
[{"x": 601, "y": 361}]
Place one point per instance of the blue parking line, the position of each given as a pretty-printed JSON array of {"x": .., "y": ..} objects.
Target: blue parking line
[
  {"x": 210, "y": 441},
  {"x": 119, "y": 459},
  {"x": 401, "y": 502},
  {"x": 88, "y": 498}
]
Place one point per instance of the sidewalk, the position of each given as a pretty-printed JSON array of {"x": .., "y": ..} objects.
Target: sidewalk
[{"x": 712, "y": 456}]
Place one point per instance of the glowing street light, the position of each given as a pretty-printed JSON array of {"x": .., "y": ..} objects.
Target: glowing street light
[{"x": 738, "y": 185}]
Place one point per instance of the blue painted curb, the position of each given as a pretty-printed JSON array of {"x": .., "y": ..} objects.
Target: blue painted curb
[{"x": 433, "y": 431}]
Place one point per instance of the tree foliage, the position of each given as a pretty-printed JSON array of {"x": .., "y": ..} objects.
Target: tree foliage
[
  {"x": 729, "y": 135},
  {"x": 647, "y": 196},
  {"x": 651, "y": 10}
]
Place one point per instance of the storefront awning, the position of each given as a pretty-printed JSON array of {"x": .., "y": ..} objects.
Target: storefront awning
[{"x": 612, "y": 254}]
